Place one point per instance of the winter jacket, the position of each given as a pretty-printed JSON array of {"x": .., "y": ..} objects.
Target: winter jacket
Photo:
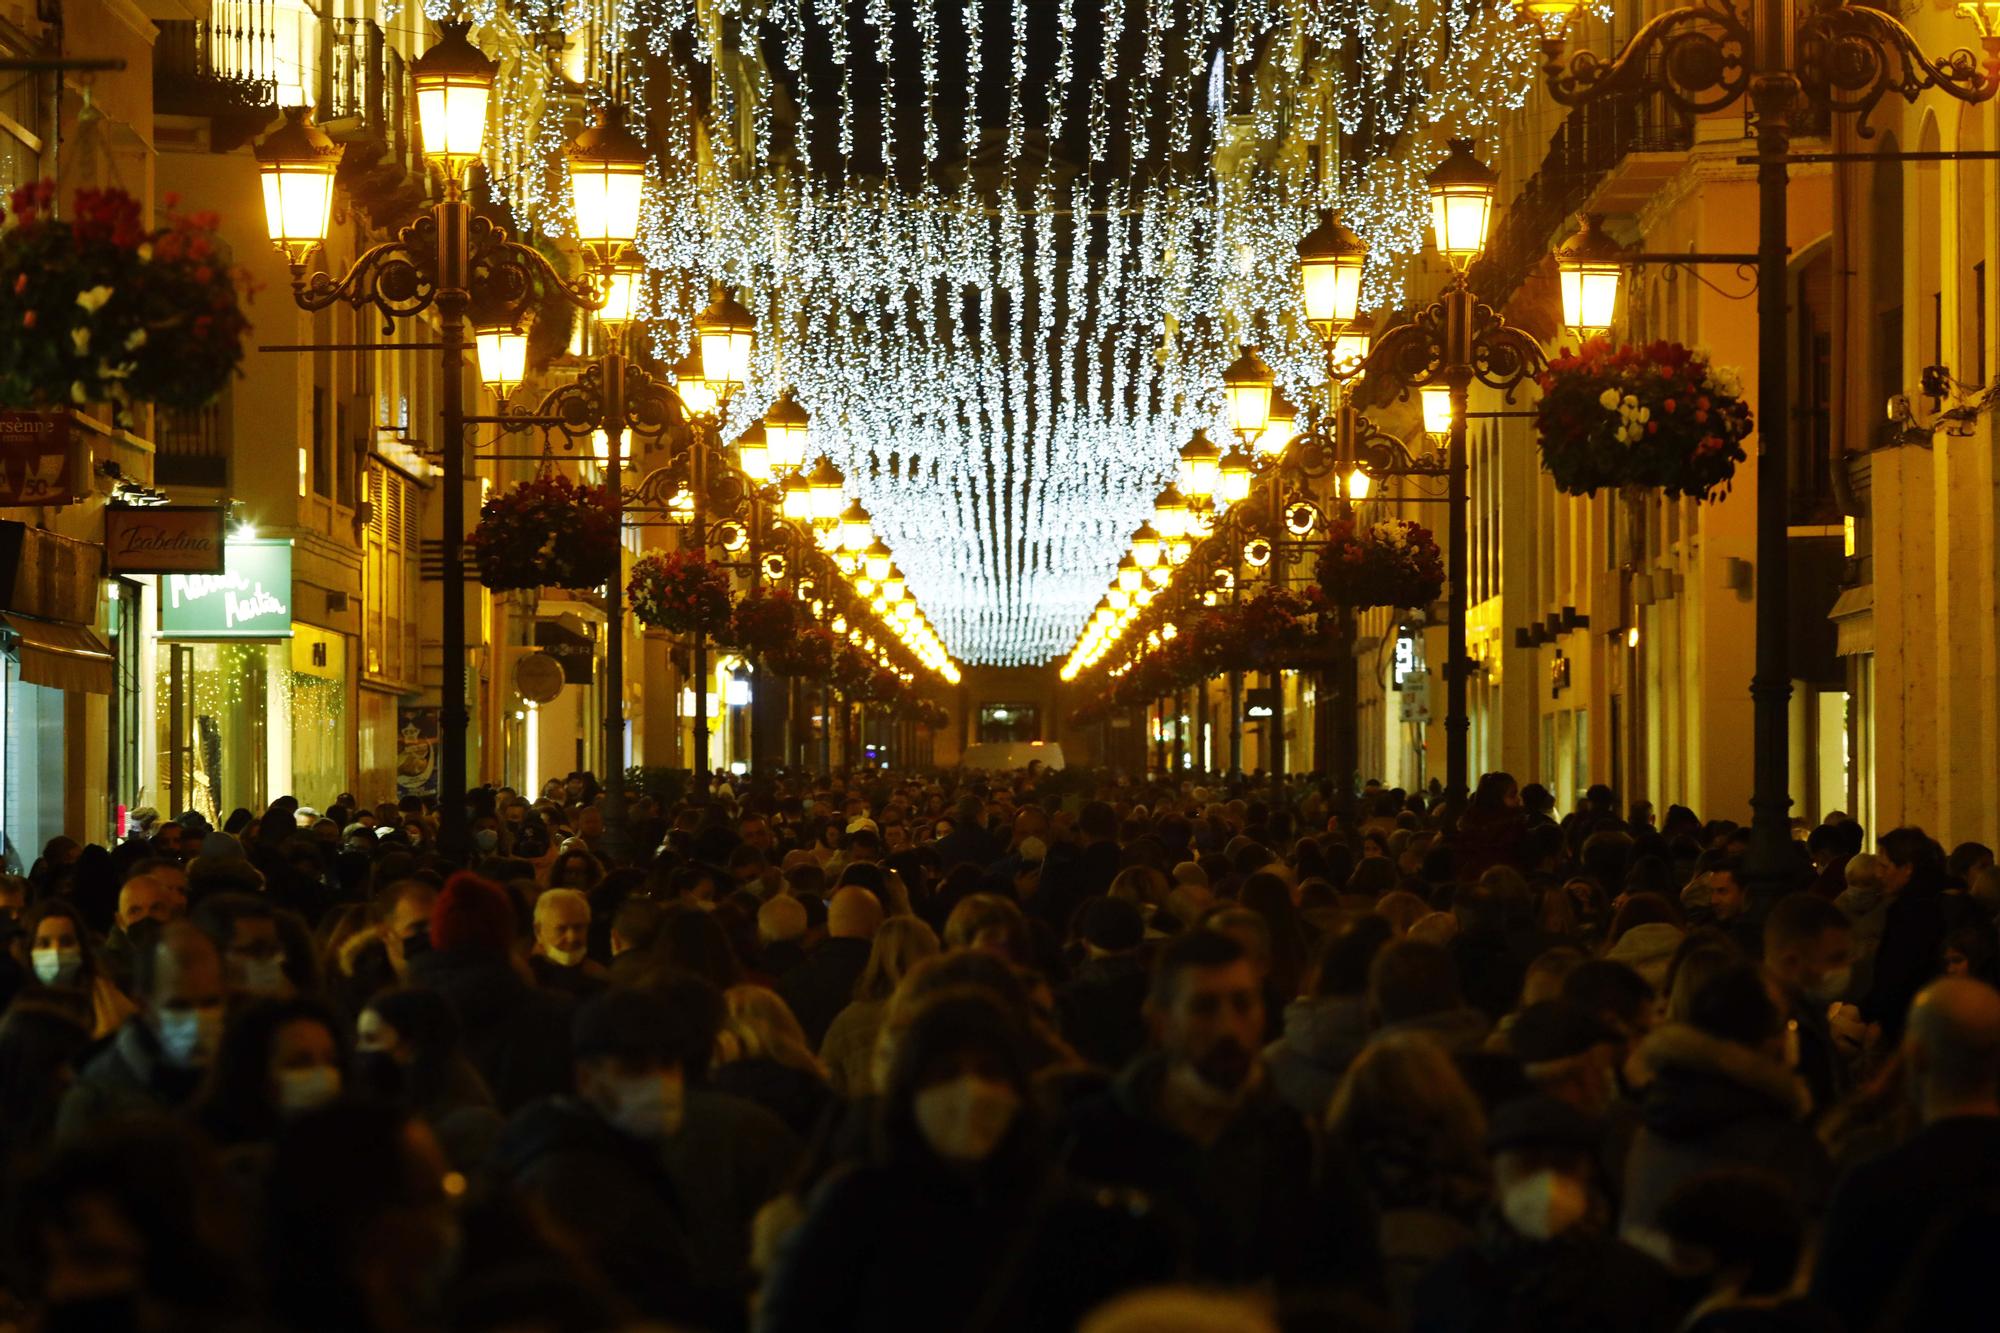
[
  {"x": 126, "y": 1077},
  {"x": 1911, "y": 951},
  {"x": 1581, "y": 1281},
  {"x": 823, "y": 985},
  {"x": 1648, "y": 950},
  {"x": 797, "y": 1097},
  {"x": 515, "y": 1034},
  {"x": 1714, "y": 1103},
  {"x": 1322, "y": 1036},
  {"x": 1101, "y": 1008},
  {"x": 848, "y": 1049}
]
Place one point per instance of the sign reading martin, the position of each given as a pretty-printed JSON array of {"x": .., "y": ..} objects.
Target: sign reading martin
[
  {"x": 250, "y": 599},
  {"x": 164, "y": 539}
]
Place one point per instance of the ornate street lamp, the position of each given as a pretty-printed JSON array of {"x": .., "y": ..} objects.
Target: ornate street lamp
[
  {"x": 691, "y": 382},
  {"x": 607, "y": 175},
  {"x": 1281, "y": 425},
  {"x": 1247, "y": 386},
  {"x": 877, "y": 561},
  {"x": 753, "y": 454},
  {"x": 1146, "y": 546},
  {"x": 502, "y": 350},
  {"x": 1436, "y": 402},
  {"x": 1170, "y": 514},
  {"x": 1232, "y": 478},
  {"x": 296, "y": 164},
  {"x": 1200, "y": 461},
  {"x": 454, "y": 84},
  {"x": 727, "y": 335},
  {"x": 1590, "y": 266},
  {"x": 622, "y": 283},
  {"x": 785, "y": 426},
  {"x": 1461, "y": 190},
  {"x": 856, "y": 531},
  {"x": 797, "y": 502},
  {"x": 1331, "y": 259},
  {"x": 827, "y": 497}
]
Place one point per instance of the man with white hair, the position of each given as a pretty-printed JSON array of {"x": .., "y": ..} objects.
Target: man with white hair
[{"x": 561, "y": 960}]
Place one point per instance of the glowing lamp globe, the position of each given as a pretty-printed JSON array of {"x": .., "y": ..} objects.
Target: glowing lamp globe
[
  {"x": 1589, "y": 267},
  {"x": 727, "y": 335},
  {"x": 1246, "y": 386},
  {"x": 1461, "y": 191},
  {"x": 607, "y": 174},
  {"x": 502, "y": 350},
  {"x": 454, "y": 83},
  {"x": 295, "y": 164},
  {"x": 785, "y": 427},
  {"x": 1330, "y": 262}
]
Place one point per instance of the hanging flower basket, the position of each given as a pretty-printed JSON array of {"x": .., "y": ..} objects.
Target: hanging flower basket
[
  {"x": 682, "y": 592},
  {"x": 99, "y": 309},
  {"x": 764, "y": 622},
  {"x": 853, "y": 672},
  {"x": 807, "y": 654},
  {"x": 1392, "y": 563},
  {"x": 1660, "y": 417},
  {"x": 548, "y": 532}
]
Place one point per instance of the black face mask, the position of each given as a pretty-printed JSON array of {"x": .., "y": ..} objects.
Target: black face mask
[{"x": 376, "y": 1074}]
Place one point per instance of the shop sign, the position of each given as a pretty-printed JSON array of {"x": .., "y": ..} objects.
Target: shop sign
[
  {"x": 575, "y": 651},
  {"x": 1260, "y": 704},
  {"x": 35, "y": 459},
  {"x": 1415, "y": 693},
  {"x": 539, "y": 677},
  {"x": 417, "y": 749},
  {"x": 250, "y": 599},
  {"x": 164, "y": 539}
]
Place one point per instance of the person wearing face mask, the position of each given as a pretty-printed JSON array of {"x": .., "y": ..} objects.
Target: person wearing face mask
[
  {"x": 157, "y": 1060},
  {"x": 562, "y": 932},
  {"x": 1723, "y": 1092},
  {"x": 1196, "y": 1124},
  {"x": 1543, "y": 1256},
  {"x": 279, "y": 1059},
  {"x": 245, "y": 928},
  {"x": 407, "y": 1051},
  {"x": 1572, "y": 1055},
  {"x": 1809, "y": 952},
  {"x": 64, "y": 966},
  {"x": 959, "y": 1217}
]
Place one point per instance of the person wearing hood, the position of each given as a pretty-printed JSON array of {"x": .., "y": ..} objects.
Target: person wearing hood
[
  {"x": 1723, "y": 1092},
  {"x": 1326, "y": 1029},
  {"x": 956, "y": 1218},
  {"x": 156, "y": 1062},
  {"x": 1197, "y": 1126},
  {"x": 516, "y": 1034},
  {"x": 1544, "y": 1258}
]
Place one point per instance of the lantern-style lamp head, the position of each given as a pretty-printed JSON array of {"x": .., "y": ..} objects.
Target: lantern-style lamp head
[
  {"x": 1130, "y": 576},
  {"x": 895, "y": 585},
  {"x": 1280, "y": 429},
  {"x": 1590, "y": 266},
  {"x": 1436, "y": 400},
  {"x": 753, "y": 454},
  {"x": 607, "y": 173},
  {"x": 1146, "y": 546},
  {"x": 1357, "y": 485},
  {"x": 691, "y": 382},
  {"x": 797, "y": 502},
  {"x": 1247, "y": 386},
  {"x": 1200, "y": 460},
  {"x": 1350, "y": 350},
  {"x": 727, "y": 335},
  {"x": 1232, "y": 484},
  {"x": 296, "y": 163},
  {"x": 785, "y": 427},
  {"x": 454, "y": 83},
  {"x": 1170, "y": 514},
  {"x": 502, "y": 350},
  {"x": 876, "y": 561},
  {"x": 827, "y": 498},
  {"x": 1553, "y": 16},
  {"x": 1461, "y": 190},
  {"x": 1330, "y": 262},
  {"x": 856, "y": 530},
  {"x": 621, "y": 297}
]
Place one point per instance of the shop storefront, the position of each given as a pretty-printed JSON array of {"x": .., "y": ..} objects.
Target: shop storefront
[
  {"x": 251, "y": 704},
  {"x": 56, "y": 681}
]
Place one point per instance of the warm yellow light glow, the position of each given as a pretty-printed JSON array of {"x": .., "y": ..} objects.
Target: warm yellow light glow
[
  {"x": 1349, "y": 351},
  {"x": 876, "y": 562},
  {"x": 1436, "y": 399},
  {"x": 454, "y": 83},
  {"x": 1130, "y": 576},
  {"x": 894, "y": 586},
  {"x": 621, "y": 297},
  {"x": 785, "y": 425},
  {"x": 727, "y": 334},
  {"x": 1146, "y": 546},
  {"x": 1170, "y": 513},
  {"x": 1330, "y": 262},
  {"x": 698, "y": 396},
  {"x": 1461, "y": 190},
  {"x": 296, "y": 163},
  {"x": 1632, "y": 637},
  {"x": 797, "y": 502},
  {"x": 1357, "y": 485},
  {"x": 1232, "y": 486},
  {"x": 753, "y": 454},
  {"x": 1246, "y": 386},
  {"x": 856, "y": 532},
  {"x": 827, "y": 497},
  {"x": 503, "y": 358},
  {"x": 607, "y": 174},
  {"x": 1589, "y": 268},
  {"x": 1279, "y": 429},
  {"x": 1200, "y": 460}
]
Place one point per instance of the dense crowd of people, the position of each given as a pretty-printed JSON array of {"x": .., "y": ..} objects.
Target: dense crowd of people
[{"x": 1026, "y": 1051}]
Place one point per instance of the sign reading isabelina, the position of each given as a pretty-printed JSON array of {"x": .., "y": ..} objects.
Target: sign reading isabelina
[
  {"x": 164, "y": 539},
  {"x": 35, "y": 459},
  {"x": 250, "y": 599}
]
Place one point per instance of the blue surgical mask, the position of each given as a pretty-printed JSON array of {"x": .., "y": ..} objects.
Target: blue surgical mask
[{"x": 486, "y": 839}]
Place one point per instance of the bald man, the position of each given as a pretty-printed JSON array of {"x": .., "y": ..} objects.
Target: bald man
[
  {"x": 1907, "y": 1202},
  {"x": 781, "y": 933},
  {"x": 148, "y": 897},
  {"x": 821, "y": 986}
]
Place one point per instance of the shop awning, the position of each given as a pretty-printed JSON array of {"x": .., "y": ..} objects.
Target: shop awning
[{"x": 58, "y": 655}]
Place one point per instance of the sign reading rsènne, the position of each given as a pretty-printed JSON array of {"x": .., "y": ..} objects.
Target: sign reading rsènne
[
  {"x": 164, "y": 539},
  {"x": 250, "y": 599},
  {"x": 35, "y": 459}
]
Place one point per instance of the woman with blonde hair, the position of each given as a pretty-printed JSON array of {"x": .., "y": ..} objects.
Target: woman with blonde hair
[
  {"x": 1416, "y": 1132},
  {"x": 988, "y": 921},
  {"x": 847, "y": 1053},
  {"x": 761, "y": 1055}
]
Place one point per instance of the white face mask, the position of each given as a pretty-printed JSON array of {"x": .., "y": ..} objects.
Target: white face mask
[
  {"x": 1832, "y": 985},
  {"x": 58, "y": 965},
  {"x": 303, "y": 1089},
  {"x": 486, "y": 839},
  {"x": 265, "y": 976},
  {"x": 1544, "y": 1205},
  {"x": 650, "y": 1108},
  {"x": 188, "y": 1037},
  {"x": 564, "y": 957},
  {"x": 965, "y": 1119}
]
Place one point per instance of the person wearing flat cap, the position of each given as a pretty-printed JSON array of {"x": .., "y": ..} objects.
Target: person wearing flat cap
[{"x": 1544, "y": 1255}]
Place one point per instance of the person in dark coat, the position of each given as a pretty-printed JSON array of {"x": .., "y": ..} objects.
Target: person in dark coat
[
  {"x": 1325, "y": 1030},
  {"x": 1722, "y": 1094},
  {"x": 1809, "y": 951},
  {"x": 592, "y": 1160},
  {"x": 1740, "y": 1233},
  {"x": 1073, "y": 872},
  {"x": 1544, "y": 1258},
  {"x": 957, "y": 1218},
  {"x": 1198, "y": 1127},
  {"x": 1896, "y": 1221},
  {"x": 515, "y": 1034},
  {"x": 1913, "y": 927},
  {"x": 1101, "y": 1004},
  {"x": 819, "y": 988},
  {"x": 1490, "y": 831}
]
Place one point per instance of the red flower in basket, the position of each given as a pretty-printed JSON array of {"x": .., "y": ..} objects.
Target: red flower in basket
[
  {"x": 1659, "y": 417},
  {"x": 682, "y": 592},
  {"x": 809, "y": 653},
  {"x": 549, "y": 532},
  {"x": 1392, "y": 563},
  {"x": 765, "y": 621}
]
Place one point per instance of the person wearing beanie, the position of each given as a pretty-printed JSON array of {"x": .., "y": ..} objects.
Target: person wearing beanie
[
  {"x": 1102, "y": 1005},
  {"x": 516, "y": 1034}
]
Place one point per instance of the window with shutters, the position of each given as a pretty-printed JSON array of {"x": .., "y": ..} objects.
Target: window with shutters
[{"x": 389, "y": 601}]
